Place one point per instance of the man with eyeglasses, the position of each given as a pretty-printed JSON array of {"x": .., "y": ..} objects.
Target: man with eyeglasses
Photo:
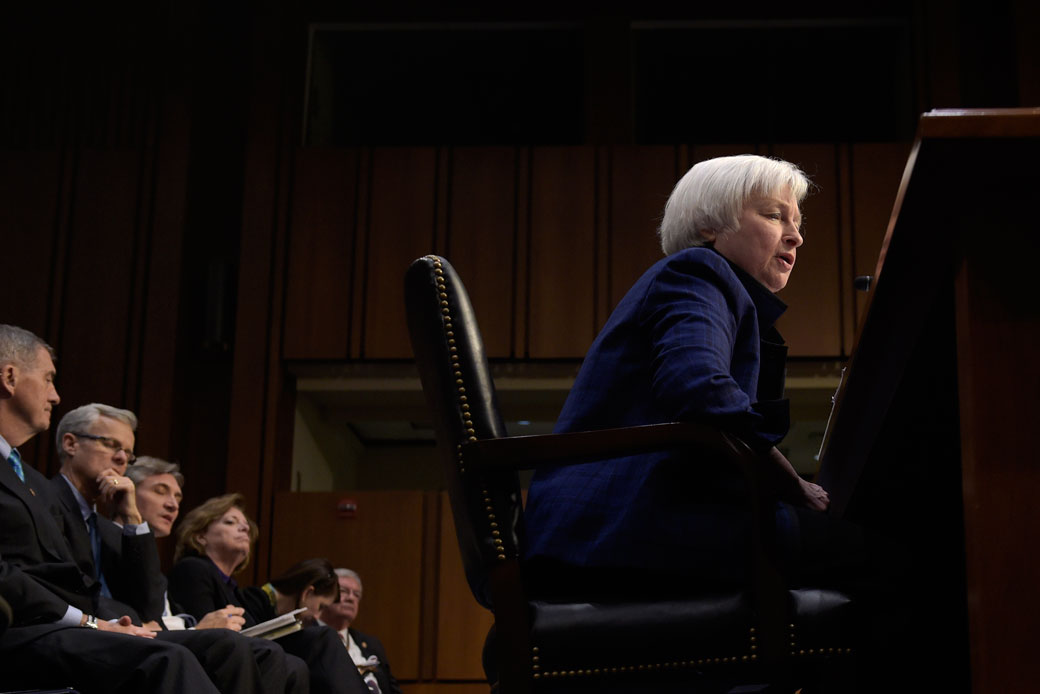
[
  {"x": 95, "y": 446},
  {"x": 366, "y": 651},
  {"x": 47, "y": 567},
  {"x": 54, "y": 641}
]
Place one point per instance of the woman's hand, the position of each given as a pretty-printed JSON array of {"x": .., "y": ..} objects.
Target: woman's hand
[
  {"x": 793, "y": 489},
  {"x": 814, "y": 496},
  {"x": 229, "y": 617}
]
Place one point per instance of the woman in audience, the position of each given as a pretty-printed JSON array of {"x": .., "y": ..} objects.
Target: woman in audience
[
  {"x": 311, "y": 584},
  {"x": 214, "y": 542}
]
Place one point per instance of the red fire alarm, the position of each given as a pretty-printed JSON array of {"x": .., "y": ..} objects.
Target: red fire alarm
[{"x": 346, "y": 509}]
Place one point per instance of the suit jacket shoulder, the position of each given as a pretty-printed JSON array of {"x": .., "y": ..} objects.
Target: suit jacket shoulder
[
  {"x": 130, "y": 563},
  {"x": 38, "y": 575},
  {"x": 370, "y": 645}
]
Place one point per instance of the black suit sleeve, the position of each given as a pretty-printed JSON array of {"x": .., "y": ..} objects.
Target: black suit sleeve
[
  {"x": 370, "y": 645},
  {"x": 130, "y": 563},
  {"x": 31, "y": 602},
  {"x": 131, "y": 567},
  {"x": 37, "y": 573},
  {"x": 198, "y": 589}
]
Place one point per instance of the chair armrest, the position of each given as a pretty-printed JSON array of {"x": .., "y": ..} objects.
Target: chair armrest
[
  {"x": 767, "y": 585},
  {"x": 530, "y": 452}
]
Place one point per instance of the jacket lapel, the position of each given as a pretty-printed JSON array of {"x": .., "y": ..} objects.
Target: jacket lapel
[
  {"x": 71, "y": 522},
  {"x": 34, "y": 495}
]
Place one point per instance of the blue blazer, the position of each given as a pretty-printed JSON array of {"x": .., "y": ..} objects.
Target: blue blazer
[{"x": 692, "y": 340}]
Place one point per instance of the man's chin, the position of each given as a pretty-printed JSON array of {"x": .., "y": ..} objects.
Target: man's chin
[{"x": 158, "y": 530}]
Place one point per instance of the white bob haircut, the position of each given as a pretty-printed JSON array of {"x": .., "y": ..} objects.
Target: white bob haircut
[{"x": 713, "y": 193}]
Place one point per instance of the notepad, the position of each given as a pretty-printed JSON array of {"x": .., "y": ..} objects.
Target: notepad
[{"x": 277, "y": 627}]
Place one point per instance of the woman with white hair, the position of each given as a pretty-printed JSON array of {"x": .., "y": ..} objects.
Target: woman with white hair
[{"x": 694, "y": 339}]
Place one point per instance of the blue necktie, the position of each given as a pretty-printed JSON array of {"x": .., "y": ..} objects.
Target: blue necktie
[
  {"x": 16, "y": 464},
  {"x": 95, "y": 545}
]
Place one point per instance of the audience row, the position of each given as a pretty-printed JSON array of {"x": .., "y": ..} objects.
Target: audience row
[{"x": 79, "y": 568}]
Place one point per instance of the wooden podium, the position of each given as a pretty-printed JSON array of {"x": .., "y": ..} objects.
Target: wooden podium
[{"x": 934, "y": 432}]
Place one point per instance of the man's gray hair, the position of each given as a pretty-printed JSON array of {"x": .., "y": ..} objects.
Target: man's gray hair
[
  {"x": 148, "y": 466},
  {"x": 82, "y": 417},
  {"x": 19, "y": 346},
  {"x": 347, "y": 573},
  {"x": 713, "y": 193}
]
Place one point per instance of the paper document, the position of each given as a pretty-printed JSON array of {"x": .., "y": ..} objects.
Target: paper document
[{"x": 277, "y": 627}]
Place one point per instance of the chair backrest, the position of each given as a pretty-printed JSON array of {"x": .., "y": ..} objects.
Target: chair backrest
[
  {"x": 449, "y": 352},
  {"x": 5, "y": 615}
]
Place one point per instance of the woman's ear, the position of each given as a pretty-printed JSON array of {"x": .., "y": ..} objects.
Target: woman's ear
[{"x": 707, "y": 235}]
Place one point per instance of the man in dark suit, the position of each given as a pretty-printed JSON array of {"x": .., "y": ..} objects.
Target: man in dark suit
[
  {"x": 54, "y": 640},
  {"x": 366, "y": 651},
  {"x": 94, "y": 456},
  {"x": 95, "y": 445}
]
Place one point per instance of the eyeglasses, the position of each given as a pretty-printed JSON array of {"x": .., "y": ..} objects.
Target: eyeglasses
[{"x": 108, "y": 442}]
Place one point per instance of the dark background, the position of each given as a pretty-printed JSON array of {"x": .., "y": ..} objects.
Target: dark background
[{"x": 136, "y": 276}]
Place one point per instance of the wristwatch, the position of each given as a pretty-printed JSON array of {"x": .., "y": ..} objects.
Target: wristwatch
[{"x": 89, "y": 621}]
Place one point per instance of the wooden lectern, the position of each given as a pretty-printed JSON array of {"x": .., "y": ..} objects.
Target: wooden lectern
[{"x": 935, "y": 429}]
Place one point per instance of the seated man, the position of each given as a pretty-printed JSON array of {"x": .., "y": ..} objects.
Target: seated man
[
  {"x": 366, "y": 651},
  {"x": 95, "y": 446},
  {"x": 54, "y": 640}
]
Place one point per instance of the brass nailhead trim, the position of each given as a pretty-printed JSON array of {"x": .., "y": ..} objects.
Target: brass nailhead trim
[
  {"x": 640, "y": 667},
  {"x": 802, "y": 652},
  {"x": 467, "y": 421}
]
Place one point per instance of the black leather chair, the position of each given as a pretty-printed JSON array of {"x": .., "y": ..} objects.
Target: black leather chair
[
  {"x": 5, "y": 615},
  {"x": 756, "y": 633}
]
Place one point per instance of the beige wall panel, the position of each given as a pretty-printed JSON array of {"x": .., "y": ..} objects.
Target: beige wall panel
[
  {"x": 28, "y": 215},
  {"x": 562, "y": 271},
  {"x": 383, "y": 543},
  {"x": 701, "y": 152},
  {"x": 400, "y": 229},
  {"x": 322, "y": 245},
  {"x": 104, "y": 226},
  {"x": 445, "y": 688},
  {"x": 812, "y": 324},
  {"x": 641, "y": 178},
  {"x": 462, "y": 624},
  {"x": 877, "y": 169},
  {"x": 481, "y": 241}
]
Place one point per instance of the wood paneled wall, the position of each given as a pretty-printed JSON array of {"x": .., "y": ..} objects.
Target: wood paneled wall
[
  {"x": 547, "y": 239},
  {"x": 97, "y": 146},
  {"x": 93, "y": 268},
  {"x": 403, "y": 545}
]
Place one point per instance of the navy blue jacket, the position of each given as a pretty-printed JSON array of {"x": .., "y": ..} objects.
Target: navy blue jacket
[{"x": 692, "y": 340}]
